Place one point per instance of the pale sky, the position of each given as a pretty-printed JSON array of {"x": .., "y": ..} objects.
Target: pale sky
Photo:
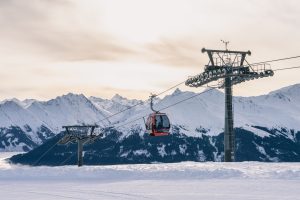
[{"x": 135, "y": 47}]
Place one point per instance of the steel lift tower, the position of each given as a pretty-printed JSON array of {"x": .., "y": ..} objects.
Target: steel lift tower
[
  {"x": 229, "y": 68},
  {"x": 80, "y": 134}
]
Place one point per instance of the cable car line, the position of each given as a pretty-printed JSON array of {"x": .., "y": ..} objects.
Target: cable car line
[
  {"x": 68, "y": 158},
  {"x": 40, "y": 158},
  {"x": 186, "y": 99},
  {"x": 275, "y": 60},
  {"x": 164, "y": 108},
  {"x": 170, "y": 88},
  {"x": 128, "y": 108},
  {"x": 204, "y": 91},
  {"x": 286, "y": 68}
]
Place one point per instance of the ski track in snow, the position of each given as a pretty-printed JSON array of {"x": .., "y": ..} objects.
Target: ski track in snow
[{"x": 191, "y": 180}]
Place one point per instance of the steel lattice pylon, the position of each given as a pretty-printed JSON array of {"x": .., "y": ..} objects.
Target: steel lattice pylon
[
  {"x": 230, "y": 68},
  {"x": 80, "y": 134}
]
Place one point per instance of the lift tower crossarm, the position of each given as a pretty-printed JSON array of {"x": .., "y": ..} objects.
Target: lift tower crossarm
[
  {"x": 210, "y": 53},
  {"x": 227, "y": 51}
]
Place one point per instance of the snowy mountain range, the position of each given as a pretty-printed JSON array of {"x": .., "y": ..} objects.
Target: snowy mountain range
[{"x": 27, "y": 124}]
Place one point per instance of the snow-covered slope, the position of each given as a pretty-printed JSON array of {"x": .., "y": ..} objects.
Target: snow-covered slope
[
  {"x": 68, "y": 109},
  {"x": 185, "y": 180},
  {"x": 278, "y": 109},
  {"x": 118, "y": 104},
  {"x": 203, "y": 114},
  {"x": 37, "y": 121}
]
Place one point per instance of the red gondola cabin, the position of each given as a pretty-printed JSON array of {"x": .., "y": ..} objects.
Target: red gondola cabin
[{"x": 158, "y": 124}]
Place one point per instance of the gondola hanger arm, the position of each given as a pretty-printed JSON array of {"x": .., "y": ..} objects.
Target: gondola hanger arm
[{"x": 152, "y": 96}]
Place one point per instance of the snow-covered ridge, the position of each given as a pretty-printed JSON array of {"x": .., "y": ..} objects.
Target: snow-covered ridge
[
  {"x": 25, "y": 103},
  {"x": 278, "y": 109},
  {"x": 206, "y": 110}
]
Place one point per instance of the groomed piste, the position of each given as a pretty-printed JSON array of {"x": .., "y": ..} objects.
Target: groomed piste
[{"x": 192, "y": 180}]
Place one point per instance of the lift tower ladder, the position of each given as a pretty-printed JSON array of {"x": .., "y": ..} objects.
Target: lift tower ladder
[
  {"x": 80, "y": 134},
  {"x": 229, "y": 68}
]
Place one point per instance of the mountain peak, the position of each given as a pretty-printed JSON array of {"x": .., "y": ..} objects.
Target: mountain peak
[
  {"x": 213, "y": 91},
  {"x": 28, "y": 102},
  {"x": 12, "y": 105},
  {"x": 71, "y": 95},
  {"x": 25, "y": 103},
  {"x": 118, "y": 97},
  {"x": 176, "y": 92},
  {"x": 12, "y": 99},
  {"x": 292, "y": 90},
  {"x": 93, "y": 98},
  {"x": 67, "y": 98}
]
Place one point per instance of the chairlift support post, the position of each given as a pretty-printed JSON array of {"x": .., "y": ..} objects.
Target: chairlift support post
[
  {"x": 229, "y": 137},
  {"x": 79, "y": 153}
]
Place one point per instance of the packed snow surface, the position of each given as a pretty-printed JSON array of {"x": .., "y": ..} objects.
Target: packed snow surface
[{"x": 191, "y": 180}]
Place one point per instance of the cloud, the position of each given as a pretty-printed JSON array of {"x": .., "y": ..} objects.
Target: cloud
[
  {"x": 72, "y": 46},
  {"x": 63, "y": 30},
  {"x": 178, "y": 52},
  {"x": 55, "y": 30},
  {"x": 69, "y": 44}
]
